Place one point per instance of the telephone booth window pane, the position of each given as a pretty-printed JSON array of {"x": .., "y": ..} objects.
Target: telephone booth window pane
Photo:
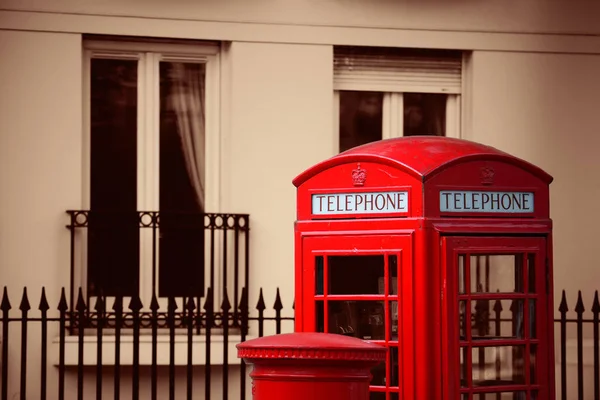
[
  {"x": 319, "y": 275},
  {"x": 531, "y": 271},
  {"x": 378, "y": 373},
  {"x": 377, "y": 396},
  {"x": 532, "y": 319},
  {"x": 361, "y": 319},
  {"x": 394, "y": 396},
  {"x": 355, "y": 274},
  {"x": 394, "y": 320},
  {"x": 496, "y": 366},
  {"x": 464, "y": 367},
  {"x": 496, "y": 273},
  {"x": 394, "y": 367},
  {"x": 320, "y": 316},
  {"x": 532, "y": 365},
  {"x": 393, "y": 275},
  {"x": 461, "y": 274},
  {"x": 497, "y": 319},
  {"x": 463, "y": 320}
]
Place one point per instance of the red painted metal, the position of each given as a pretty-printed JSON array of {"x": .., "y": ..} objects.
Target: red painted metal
[
  {"x": 316, "y": 366},
  {"x": 422, "y": 247}
]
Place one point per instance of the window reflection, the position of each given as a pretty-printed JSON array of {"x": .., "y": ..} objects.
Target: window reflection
[
  {"x": 424, "y": 114},
  {"x": 361, "y": 118},
  {"x": 361, "y": 319}
]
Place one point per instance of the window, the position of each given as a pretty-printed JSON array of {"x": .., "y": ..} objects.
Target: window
[
  {"x": 386, "y": 93},
  {"x": 151, "y": 130}
]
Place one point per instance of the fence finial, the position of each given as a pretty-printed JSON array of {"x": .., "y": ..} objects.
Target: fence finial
[
  {"x": 278, "y": 306},
  {"x": 80, "y": 306},
  {"x": 5, "y": 305},
  {"x": 226, "y": 305},
  {"x": 260, "y": 305},
  {"x": 563, "y": 308},
  {"x": 208, "y": 303},
  {"x": 596, "y": 304},
  {"x": 44, "y": 306},
  {"x": 24, "y": 306},
  {"x": 579, "y": 308},
  {"x": 63, "y": 306}
]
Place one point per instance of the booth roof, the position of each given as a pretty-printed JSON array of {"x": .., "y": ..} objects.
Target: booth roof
[{"x": 421, "y": 156}]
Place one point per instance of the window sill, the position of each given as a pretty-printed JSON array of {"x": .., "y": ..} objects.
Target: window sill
[{"x": 90, "y": 344}]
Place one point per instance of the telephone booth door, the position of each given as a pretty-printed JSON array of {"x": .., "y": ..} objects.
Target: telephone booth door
[
  {"x": 496, "y": 309},
  {"x": 361, "y": 286}
]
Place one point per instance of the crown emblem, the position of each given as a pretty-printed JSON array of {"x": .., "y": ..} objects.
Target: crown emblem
[
  {"x": 359, "y": 176},
  {"x": 487, "y": 175}
]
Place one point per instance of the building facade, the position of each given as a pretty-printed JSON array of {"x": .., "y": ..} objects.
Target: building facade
[{"x": 210, "y": 106}]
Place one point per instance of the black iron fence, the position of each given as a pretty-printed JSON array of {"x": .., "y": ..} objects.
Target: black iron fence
[
  {"x": 212, "y": 322},
  {"x": 26, "y": 372}
]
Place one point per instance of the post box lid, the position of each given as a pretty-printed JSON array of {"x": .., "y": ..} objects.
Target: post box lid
[
  {"x": 421, "y": 156},
  {"x": 311, "y": 345}
]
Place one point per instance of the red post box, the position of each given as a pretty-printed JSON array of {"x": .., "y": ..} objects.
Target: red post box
[
  {"x": 440, "y": 250},
  {"x": 315, "y": 366}
]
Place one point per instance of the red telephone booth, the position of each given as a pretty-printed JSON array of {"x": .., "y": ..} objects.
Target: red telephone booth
[{"x": 439, "y": 249}]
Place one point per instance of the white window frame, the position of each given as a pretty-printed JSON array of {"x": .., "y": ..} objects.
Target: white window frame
[
  {"x": 393, "y": 105},
  {"x": 149, "y": 55}
]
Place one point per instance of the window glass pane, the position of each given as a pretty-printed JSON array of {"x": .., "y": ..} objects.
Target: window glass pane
[
  {"x": 394, "y": 320},
  {"x": 494, "y": 366},
  {"x": 113, "y": 233},
  {"x": 356, "y": 274},
  {"x": 182, "y": 179},
  {"x": 319, "y": 275},
  {"x": 424, "y": 114},
  {"x": 531, "y": 272},
  {"x": 496, "y": 273},
  {"x": 361, "y": 118},
  {"x": 393, "y": 275},
  {"x": 497, "y": 319},
  {"x": 361, "y": 319}
]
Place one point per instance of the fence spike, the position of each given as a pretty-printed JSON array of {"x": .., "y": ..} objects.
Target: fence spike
[
  {"x": 261, "y": 306},
  {"x": 498, "y": 306},
  {"x": 278, "y": 306},
  {"x": 243, "y": 300},
  {"x": 294, "y": 304},
  {"x": 596, "y": 305},
  {"x": 154, "y": 306},
  {"x": 5, "y": 305},
  {"x": 99, "y": 307},
  {"x": 226, "y": 305},
  {"x": 24, "y": 306},
  {"x": 63, "y": 306},
  {"x": 563, "y": 308},
  {"x": 80, "y": 306},
  {"x": 135, "y": 304},
  {"x": 190, "y": 305},
  {"x": 44, "y": 306},
  {"x": 118, "y": 304},
  {"x": 208, "y": 303},
  {"x": 579, "y": 308},
  {"x": 171, "y": 304}
]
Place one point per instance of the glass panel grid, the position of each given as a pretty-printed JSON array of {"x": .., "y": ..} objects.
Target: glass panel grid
[
  {"x": 369, "y": 312},
  {"x": 492, "y": 364}
]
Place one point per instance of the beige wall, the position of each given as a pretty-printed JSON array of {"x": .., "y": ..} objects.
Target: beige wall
[
  {"x": 457, "y": 24},
  {"x": 544, "y": 108},
  {"x": 540, "y": 16},
  {"x": 40, "y": 153},
  {"x": 280, "y": 124}
]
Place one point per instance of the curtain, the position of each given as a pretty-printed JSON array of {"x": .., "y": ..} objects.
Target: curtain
[{"x": 188, "y": 105}]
